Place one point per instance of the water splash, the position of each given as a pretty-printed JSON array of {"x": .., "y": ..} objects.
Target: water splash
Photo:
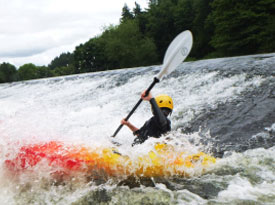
[{"x": 221, "y": 106}]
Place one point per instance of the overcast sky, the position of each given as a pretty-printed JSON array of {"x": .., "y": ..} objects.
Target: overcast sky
[{"x": 36, "y": 31}]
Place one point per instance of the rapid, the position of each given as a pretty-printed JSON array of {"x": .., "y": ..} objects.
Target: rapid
[{"x": 224, "y": 107}]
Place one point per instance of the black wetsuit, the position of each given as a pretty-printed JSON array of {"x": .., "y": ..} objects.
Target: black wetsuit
[{"x": 156, "y": 126}]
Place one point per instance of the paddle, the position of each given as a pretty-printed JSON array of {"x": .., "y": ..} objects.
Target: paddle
[{"x": 177, "y": 51}]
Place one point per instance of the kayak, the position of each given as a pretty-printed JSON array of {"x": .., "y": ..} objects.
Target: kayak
[{"x": 161, "y": 161}]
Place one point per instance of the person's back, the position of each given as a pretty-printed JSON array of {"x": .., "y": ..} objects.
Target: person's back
[{"x": 157, "y": 125}]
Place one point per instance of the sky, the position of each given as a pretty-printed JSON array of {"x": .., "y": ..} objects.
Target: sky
[{"x": 37, "y": 31}]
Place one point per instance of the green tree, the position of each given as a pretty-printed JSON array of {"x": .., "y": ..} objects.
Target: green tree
[
  {"x": 161, "y": 24},
  {"x": 202, "y": 29},
  {"x": 43, "y": 72},
  {"x": 90, "y": 57},
  {"x": 27, "y": 72},
  {"x": 137, "y": 10},
  {"x": 126, "y": 14},
  {"x": 126, "y": 46},
  {"x": 267, "y": 34},
  {"x": 64, "y": 59},
  {"x": 243, "y": 27},
  {"x": 8, "y": 73},
  {"x": 184, "y": 15},
  {"x": 64, "y": 70}
]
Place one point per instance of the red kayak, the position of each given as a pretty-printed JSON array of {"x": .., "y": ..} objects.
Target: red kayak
[{"x": 163, "y": 160}]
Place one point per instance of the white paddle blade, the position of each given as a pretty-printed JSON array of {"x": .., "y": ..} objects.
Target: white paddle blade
[{"x": 176, "y": 53}]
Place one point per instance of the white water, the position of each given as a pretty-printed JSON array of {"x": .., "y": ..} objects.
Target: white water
[{"x": 88, "y": 108}]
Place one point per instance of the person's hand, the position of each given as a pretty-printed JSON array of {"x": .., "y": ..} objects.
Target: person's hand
[
  {"x": 128, "y": 124},
  {"x": 148, "y": 97},
  {"x": 124, "y": 122}
]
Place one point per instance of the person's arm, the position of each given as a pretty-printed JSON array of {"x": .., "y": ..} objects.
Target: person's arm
[
  {"x": 158, "y": 113},
  {"x": 128, "y": 124},
  {"x": 156, "y": 110}
]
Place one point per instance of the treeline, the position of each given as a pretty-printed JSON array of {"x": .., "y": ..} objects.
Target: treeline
[
  {"x": 62, "y": 65},
  {"x": 220, "y": 28}
]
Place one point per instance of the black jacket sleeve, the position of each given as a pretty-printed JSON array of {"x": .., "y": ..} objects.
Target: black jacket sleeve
[{"x": 161, "y": 118}]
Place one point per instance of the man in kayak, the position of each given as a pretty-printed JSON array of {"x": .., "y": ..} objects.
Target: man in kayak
[{"x": 157, "y": 125}]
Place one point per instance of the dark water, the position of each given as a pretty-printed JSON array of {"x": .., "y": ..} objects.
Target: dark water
[{"x": 241, "y": 124}]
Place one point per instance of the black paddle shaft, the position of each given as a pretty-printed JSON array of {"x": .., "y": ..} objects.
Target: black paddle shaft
[{"x": 156, "y": 80}]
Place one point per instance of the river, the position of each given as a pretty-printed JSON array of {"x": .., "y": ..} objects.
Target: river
[{"x": 224, "y": 107}]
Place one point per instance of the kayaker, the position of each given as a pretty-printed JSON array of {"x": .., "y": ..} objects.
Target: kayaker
[{"x": 157, "y": 125}]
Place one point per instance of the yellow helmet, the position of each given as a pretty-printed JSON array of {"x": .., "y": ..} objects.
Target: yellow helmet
[{"x": 164, "y": 101}]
